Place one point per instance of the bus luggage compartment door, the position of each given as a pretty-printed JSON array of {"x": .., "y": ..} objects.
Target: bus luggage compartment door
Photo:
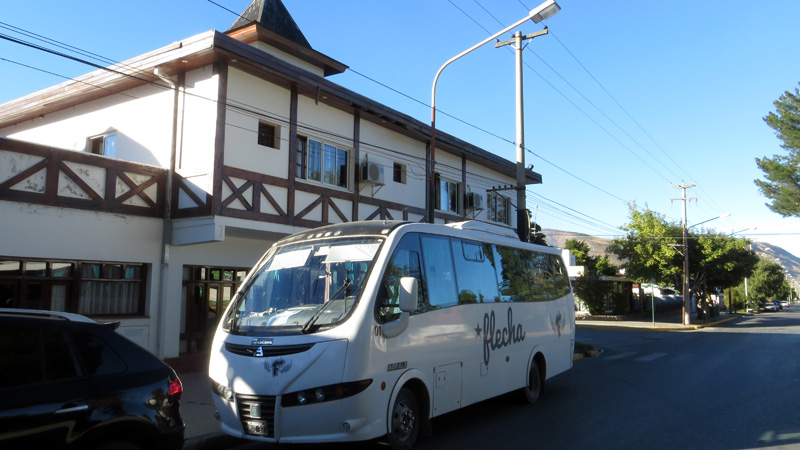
[{"x": 446, "y": 388}]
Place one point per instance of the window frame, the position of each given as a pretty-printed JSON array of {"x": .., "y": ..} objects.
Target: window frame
[
  {"x": 69, "y": 281},
  {"x": 269, "y": 135},
  {"x": 103, "y": 144},
  {"x": 323, "y": 162},
  {"x": 492, "y": 212},
  {"x": 443, "y": 184},
  {"x": 399, "y": 173}
]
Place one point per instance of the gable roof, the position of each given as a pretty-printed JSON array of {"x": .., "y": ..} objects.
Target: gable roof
[{"x": 272, "y": 15}]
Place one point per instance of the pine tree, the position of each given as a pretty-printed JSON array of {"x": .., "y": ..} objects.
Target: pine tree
[{"x": 782, "y": 172}]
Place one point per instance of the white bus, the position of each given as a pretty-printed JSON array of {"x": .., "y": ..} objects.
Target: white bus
[{"x": 360, "y": 330}]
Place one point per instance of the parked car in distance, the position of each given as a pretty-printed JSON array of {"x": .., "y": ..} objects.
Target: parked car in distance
[
  {"x": 770, "y": 306},
  {"x": 68, "y": 382},
  {"x": 785, "y": 303},
  {"x": 778, "y": 304}
]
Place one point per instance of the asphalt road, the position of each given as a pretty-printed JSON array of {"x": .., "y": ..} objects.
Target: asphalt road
[{"x": 736, "y": 386}]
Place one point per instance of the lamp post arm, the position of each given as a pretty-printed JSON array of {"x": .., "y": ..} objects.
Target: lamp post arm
[
  {"x": 494, "y": 36},
  {"x": 431, "y": 170}
]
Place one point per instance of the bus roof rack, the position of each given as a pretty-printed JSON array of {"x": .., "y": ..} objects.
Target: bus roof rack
[{"x": 477, "y": 225}]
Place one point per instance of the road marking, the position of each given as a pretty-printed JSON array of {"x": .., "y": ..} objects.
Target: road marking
[
  {"x": 620, "y": 356},
  {"x": 651, "y": 357}
]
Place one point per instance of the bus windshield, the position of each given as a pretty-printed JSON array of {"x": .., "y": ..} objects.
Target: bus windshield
[{"x": 304, "y": 286}]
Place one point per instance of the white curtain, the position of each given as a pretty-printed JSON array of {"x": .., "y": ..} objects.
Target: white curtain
[{"x": 109, "y": 297}]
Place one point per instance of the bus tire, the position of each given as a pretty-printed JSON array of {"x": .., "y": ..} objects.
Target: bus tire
[
  {"x": 404, "y": 421},
  {"x": 533, "y": 388}
]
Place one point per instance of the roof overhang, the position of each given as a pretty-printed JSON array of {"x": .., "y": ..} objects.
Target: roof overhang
[{"x": 213, "y": 47}]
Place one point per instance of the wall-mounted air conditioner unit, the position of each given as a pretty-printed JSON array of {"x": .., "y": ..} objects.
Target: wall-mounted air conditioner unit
[
  {"x": 371, "y": 172},
  {"x": 474, "y": 200}
]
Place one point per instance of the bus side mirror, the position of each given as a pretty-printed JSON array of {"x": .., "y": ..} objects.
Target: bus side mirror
[
  {"x": 408, "y": 294},
  {"x": 408, "y": 303}
]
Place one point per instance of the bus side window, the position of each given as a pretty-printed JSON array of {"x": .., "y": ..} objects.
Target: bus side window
[
  {"x": 439, "y": 271},
  {"x": 405, "y": 262},
  {"x": 476, "y": 278}
]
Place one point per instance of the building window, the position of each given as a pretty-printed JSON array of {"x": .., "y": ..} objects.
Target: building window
[
  {"x": 88, "y": 288},
  {"x": 105, "y": 145},
  {"x": 302, "y": 144},
  {"x": 322, "y": 162},
  {"x": 399, "y": 175},
  {"x": 448, "y": 195},
  {"x": 498, "y": 208},
  {"x": 268, "y": 135}
]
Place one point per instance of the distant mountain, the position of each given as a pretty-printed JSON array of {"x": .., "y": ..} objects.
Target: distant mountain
[{"x": 597, "y": 245}]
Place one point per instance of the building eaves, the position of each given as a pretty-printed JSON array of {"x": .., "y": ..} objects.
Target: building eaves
[{"x": 216, "y": 47}]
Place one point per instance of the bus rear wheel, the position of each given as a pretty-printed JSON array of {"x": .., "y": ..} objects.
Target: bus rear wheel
[
  {"x": 533, "y": 388},
  {"x": 404, "y": 421}
]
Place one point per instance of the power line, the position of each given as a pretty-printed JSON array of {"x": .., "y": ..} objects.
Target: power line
[{"x": 242, "y": 107}]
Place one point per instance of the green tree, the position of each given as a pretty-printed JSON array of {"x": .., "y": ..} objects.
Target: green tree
[
  {"x": 536, "y": 235},
  {"x": 720, "y": 261},
  {"x": 594, "y": 265},
  {"x": 653, "y": 249},
  {"x": 767, "y": 282},
  {"x": 782, "y": 172},
  {"x": 590, "y": 287},
  {"x": 593, "y": 291}
]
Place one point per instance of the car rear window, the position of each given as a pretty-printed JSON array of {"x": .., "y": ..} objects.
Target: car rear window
[{"x": 97, "y": 357}]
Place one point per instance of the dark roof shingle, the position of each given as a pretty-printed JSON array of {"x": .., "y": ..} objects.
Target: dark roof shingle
[{"x": 272, "y": 15}]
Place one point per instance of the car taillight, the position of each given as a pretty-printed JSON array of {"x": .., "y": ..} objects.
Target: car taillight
[{"x": 176, "y": 389}]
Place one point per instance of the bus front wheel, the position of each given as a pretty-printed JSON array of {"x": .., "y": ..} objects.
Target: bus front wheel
[
  {"x": 404, "y": 421},
  {"x": 533, "y": 388}
]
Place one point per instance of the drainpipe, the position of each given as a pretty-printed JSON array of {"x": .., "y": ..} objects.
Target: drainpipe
[{"x": 166, "y": 230}]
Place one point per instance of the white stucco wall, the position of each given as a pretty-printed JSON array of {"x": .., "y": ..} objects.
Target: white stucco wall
[
  {"x": 385, "y": 147},
  {"x": 197, "y": 128},
  {"x": 262, "y": 101},
  {"x": 36, "y": 231},
  {"x": 141, "y": 118},
  {"x": 323, "y": 122}
]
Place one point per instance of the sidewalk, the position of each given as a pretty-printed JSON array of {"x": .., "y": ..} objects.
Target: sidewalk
[
  {"x": 197, "y": 409},
  {"x": 660, "y": 323}
]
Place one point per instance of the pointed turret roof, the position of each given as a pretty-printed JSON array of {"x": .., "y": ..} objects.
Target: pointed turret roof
[{"x": 272, "y": 15}]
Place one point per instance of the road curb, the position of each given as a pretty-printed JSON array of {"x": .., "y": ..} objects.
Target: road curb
[{"x": 642, "y": 326}]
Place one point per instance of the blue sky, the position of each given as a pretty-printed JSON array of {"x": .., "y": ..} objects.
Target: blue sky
[{"x": 623, "y": 99}]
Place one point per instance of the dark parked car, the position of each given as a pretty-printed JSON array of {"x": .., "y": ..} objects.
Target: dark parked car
[{"x": 67, "y": 381}]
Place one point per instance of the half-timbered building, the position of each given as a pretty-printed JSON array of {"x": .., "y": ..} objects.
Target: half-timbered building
[{"x": 144, "y": 191}]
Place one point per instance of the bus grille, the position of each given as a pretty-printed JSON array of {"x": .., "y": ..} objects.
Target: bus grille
[
  {"x": 266, "y": 350},
  {"x": 257, "y": 413}
]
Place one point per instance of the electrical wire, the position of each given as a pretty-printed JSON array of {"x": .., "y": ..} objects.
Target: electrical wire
[{"x": 240, "y": 106}]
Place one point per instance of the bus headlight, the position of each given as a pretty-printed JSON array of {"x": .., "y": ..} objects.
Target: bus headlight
[
  {"x": 223, "y": 391},
  {"x": 325, "y": 393}
]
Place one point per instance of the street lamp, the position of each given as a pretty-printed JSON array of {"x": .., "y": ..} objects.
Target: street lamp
[
  {"x": 541, "y": 12},
  {"x": 687, "y": 297}
]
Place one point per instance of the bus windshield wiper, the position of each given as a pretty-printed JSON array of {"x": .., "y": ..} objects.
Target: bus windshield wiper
[{"x": 322, "y": 308}]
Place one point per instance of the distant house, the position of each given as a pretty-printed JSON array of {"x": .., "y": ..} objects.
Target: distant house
[{"x": 144, "y": 192}]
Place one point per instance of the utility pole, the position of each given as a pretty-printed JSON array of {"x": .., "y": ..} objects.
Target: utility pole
[
  {"x": 687, "y": 296},
  {"x": 523, "y": 223}
]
